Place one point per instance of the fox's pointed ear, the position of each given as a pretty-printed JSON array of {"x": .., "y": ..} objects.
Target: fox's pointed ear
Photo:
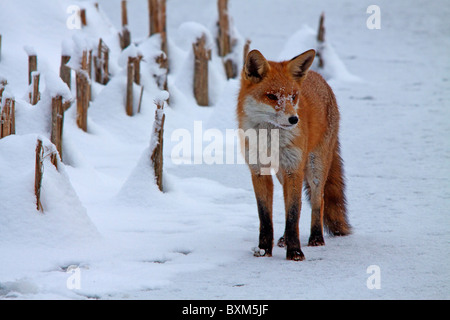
[
  {"x": 256, "y": 66},
  {"x": 299, "y": 65}
]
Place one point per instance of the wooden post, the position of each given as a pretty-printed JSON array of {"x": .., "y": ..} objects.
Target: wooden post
[
  {"x": 65, "y": 72},
  {"x": 130, "y": 78},
  {"x": 125, "y": 36},
  {"x": 57, "y": 126},
  {"x": 3, "y": 84},
  {"x": 321, "y": 39},
  {"x": 224, "y": 39},
  {"x": 7, "y": 118},
  {"x": 137, "y": 69},
  {"x": 83, "y": 17},
  {"x": 105, "y": 64},
  {"x": 157, "y": 13},
  {"x": 157, "y": 143},
  {"x": 38, "y": 174},
  {"x": 4, "y": 122},
  {"x": 82, "y": 80},
  {"x": 124, "y": 13},
  {"x": 101, "y": 63},
  {"x": 32, "y": 66},
  {"x": 201, "y": 58},
  {"x": 34, "y": 95}
]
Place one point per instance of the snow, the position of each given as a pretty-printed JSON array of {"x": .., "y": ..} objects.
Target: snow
[{"x": 105, "y": 217}]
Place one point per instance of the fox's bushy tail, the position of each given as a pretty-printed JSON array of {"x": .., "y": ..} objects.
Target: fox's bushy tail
[{"x": 335, "y": 209}]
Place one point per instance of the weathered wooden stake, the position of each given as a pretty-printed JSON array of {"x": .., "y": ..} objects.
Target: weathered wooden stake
[
  {"x": 35, "y": 95},
  {"x": 201, "y": 58},
  {"x": 32, "y": 66},
  {"x": 101, "y": 63},
  {"x": 157, "y": 141},
  {"x": 65, "y": 72},
  {"x": 224, "y": 39},
  {"x": 124, "y": 13},
  {"x": 3, "y": 84},
  {"x": 83, "y": 17},
  {"x": 7, "y": 118},
  {"x": 57, "y": 126},
  {"x": 321, "y": 39},
  {"x": 38, "y": 174},
  {"x": 137, "y": 69},
  {"x": 82, "y": 79},
  {"x": 130, "y": 78},
  {"x": 125, "y": 36},
  {"x": 105, "y": 72},
  {"x": 157, "y": 13}
]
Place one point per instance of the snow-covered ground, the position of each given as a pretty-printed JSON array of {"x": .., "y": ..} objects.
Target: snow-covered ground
[{"x": 108, "y": 233}]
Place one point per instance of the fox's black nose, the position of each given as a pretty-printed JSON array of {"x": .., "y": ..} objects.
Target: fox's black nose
[{"x": 293, "y": 120}]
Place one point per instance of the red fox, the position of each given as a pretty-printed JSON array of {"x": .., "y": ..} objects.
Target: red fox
[{"x": 300, "y": 104}]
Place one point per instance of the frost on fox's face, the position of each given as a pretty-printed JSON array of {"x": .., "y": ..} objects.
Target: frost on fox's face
[{"x": 273, "y": 88}]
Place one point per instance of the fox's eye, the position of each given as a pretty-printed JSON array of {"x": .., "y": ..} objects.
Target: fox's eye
[
  {"x": 271, "y": 96},
  {"x": 294, "y": 96}
]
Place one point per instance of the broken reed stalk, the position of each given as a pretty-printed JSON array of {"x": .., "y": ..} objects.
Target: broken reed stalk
[
  {"x": 65, "y": 72},
  {"x": 224, "y": 39},
  {"x": 101, "y": 63},
  {"x": 7, "y": 118},
  {"x": 35, "y": 96},
  {"x": 321, "y": 40},
  {"x": 157, "y": 141},
  {"x": 201, "y": 58},
  {"x": 157, "y": 13},
  {"x": 82, "y": 80},
  {"x": 57, "y": 126},
  {"x": 140, "y": 99},
  {"x": 130, "y": 79},
  {"x": 89, "y": 72},
  {"x": 125, "y": 36},
  {"x": 38, "y": 174},
  {"x": 32, "y": 66},
  {"x": 12, "y": 115}
]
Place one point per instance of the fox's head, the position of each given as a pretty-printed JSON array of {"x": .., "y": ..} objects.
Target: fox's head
[{"x": 270, "y": 91}]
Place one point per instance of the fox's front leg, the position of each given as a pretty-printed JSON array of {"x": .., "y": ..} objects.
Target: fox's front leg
[
  {"x": 292, "y": 189},
  {"x": 263, "y": 187}
]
